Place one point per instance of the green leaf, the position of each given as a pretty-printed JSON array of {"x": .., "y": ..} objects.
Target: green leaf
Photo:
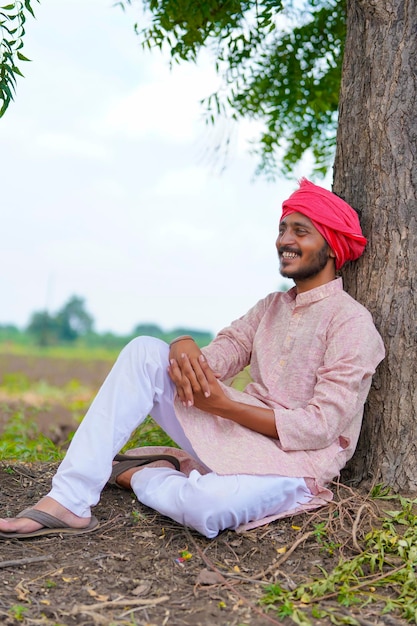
[
  {"x": 22, "y": 57},
  {"x": 29, "y": 8},
  {"x": 17, "y": 71},
  {"x": 13, "y": 31}
]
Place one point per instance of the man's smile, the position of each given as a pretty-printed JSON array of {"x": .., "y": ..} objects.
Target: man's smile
[{"x": 289, "y": 255}]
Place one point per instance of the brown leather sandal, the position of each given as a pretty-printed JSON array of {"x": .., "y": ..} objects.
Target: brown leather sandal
[
  {"x": 128, "y": 461},
  {"x": 50, "y": 526}
]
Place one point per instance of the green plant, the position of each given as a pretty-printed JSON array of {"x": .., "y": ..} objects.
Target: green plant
[
  {"x": 12, "y": 22},
  {"x": 137, "y": 516},
  {"x": 22, "y": 440},
  {"x": 15, "y": 382},
  {"x": 320, "y": 533},
  {"x": 50, "y": 584},
  {"x": 17, "y": 612},
  {"x": 149, "y": 434},
  {"x": 383, "y": 572}
]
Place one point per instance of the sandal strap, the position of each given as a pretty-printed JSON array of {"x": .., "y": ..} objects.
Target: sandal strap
[
  {"x": 148, "y": 458},
  {"x": 123, "y": 466},
  {"x": 47, "y": 520}
]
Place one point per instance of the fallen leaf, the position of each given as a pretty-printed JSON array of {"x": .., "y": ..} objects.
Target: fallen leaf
[
  {"x": 99, "y": 597},
  {"x": 207, "y": 577},
  {"x": 21, "y": 592},
  {"x": 146, "y": 534},
  {"x": 140, "y": 590}
]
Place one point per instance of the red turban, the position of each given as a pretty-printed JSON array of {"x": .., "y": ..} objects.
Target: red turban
[{"x": 335, "y": 220}]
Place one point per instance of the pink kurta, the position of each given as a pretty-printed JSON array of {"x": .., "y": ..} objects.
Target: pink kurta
[{"x": 312, "y": 357}]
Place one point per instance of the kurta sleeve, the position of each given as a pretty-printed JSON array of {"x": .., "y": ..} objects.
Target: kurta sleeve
[
  {"x": 354, "y": 349},
  {"x": 230, "y": 351}
]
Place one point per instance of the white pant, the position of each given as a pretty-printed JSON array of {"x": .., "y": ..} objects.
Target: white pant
[{"x": 138, "y": 385}]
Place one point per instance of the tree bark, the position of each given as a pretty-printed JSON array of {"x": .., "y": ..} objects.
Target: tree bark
[{"x": 376, "y": 172}]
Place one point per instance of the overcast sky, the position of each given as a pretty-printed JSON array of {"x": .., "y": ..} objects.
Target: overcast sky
[{"x": 109, "y": 189}]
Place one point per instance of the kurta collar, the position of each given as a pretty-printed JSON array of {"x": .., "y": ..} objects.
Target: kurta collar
[{"x": 314, "y": 295}]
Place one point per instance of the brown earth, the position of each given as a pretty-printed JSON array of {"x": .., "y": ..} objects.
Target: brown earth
[
  {"x": 55, "y": 419},
  {"x": 131, "y": 570}
]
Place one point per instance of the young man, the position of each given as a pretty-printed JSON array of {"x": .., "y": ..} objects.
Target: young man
[{"x": 247, "y": 456}]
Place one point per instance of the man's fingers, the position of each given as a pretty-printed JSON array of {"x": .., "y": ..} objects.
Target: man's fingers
[
  {"x": 191, "y": 376},
  {"x": 180, "y": 394},
  {"x": 181, "y": 382},
  {"x": 193, "y": 372},
  {"x": 205, "y": 376}
]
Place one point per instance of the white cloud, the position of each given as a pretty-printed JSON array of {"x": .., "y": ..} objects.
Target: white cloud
[
  {"x": 188, "y": 181},
  {"x": 159, "y": 108},
  {"x": 57, "y": 144}
]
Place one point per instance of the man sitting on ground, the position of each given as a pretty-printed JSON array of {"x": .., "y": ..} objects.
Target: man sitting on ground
[{"x": 246, "y": 456}]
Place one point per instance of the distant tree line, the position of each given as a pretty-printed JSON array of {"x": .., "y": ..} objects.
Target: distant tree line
[
  {"x": 68, "y": 324},
  {"x": 74, "y": 324}
]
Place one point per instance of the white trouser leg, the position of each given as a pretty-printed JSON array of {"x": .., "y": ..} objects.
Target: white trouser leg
[
  {"x": 138, "y": 385},
  {"x": 210, "y": 503}
]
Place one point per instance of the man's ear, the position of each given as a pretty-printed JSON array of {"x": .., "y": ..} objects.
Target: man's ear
[{"x": 332, "y": 255}]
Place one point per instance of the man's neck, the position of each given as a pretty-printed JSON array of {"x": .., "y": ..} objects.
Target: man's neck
[{"x": 324, "y": 277}]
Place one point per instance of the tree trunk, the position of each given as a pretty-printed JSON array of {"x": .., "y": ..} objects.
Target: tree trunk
[{"x": 376, "y": 171}]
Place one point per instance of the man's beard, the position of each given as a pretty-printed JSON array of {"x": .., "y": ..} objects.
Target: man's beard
[{"x": 315, "y": 268}]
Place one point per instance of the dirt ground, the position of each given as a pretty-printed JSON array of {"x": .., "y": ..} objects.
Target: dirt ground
[
  {"x": 131, "y": 567},
  {"x": 139, "y": 568}
]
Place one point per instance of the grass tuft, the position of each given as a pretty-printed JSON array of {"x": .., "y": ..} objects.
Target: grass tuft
[
  {"x": 21, "y": 440},
  {"x": 382, "y": 573}
]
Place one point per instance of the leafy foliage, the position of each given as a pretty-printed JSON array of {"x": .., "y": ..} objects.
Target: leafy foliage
[
  {"x": 148, "y": 434},
  {"x": 71, "y": 321},
  {"x": 280, "y": 63},
  {"x": 21, "y": 439},
  {"x": 12, "y": 21},
  {"x": 279, "y": 60},
  {"x": 382, "y": 573}
]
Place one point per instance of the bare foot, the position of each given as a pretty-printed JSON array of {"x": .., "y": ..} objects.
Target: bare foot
[
  {"x": 47, "y": 505},
  {"x": 124, "y": 479}
]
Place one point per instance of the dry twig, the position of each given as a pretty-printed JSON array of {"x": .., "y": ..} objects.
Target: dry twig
[{"x": 19, "y": 562}]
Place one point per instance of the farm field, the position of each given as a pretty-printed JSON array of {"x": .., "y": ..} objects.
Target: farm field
[
  {"x": 54, "y": 393},
  {"x": 140, "y": 568}
]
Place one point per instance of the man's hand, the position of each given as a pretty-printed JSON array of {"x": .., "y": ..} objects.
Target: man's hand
[
  {"x": 216, "y": 401},
  {"x": 197, "y": 385},
  {"x": 186, "y": 372}
]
